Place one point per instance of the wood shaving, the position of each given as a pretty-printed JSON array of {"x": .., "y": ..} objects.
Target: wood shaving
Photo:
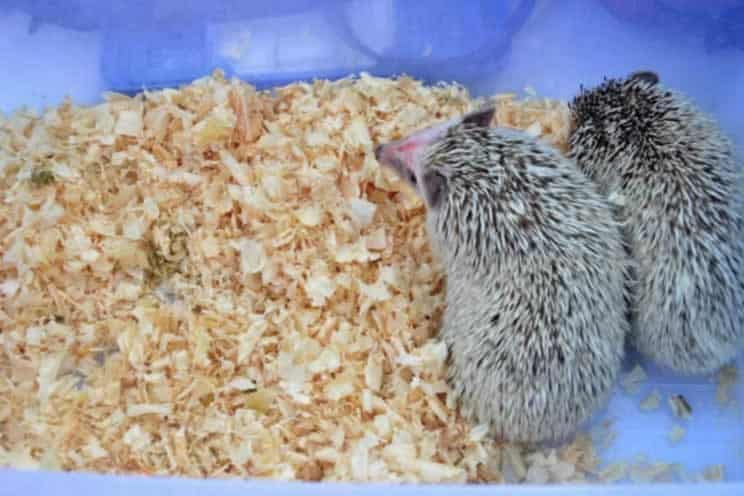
[
  {"x": 679, "y": 406},
  {"x": 632, "y": 381},
  {"x": 676, "y": 434},
  {"x": 213, "y": 281},
  {"x": 688, "y": 477},
  {"x": 582, "y": 455},
  {"x": 727, "y": 377},
  {"x": 604, "y": 434},
  {"x": 515, "y": 463},
  {"x": 548, "y": 467},
  {"x": 642, "y": 471},
  {"x": 714, "y": 473},
  {"x": 613, "y": 472},
  {"x": 651, "y": 402}
]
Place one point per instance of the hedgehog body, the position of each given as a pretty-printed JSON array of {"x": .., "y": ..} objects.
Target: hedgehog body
[
  {"x": 678, "y": 191},
  {"x": 535, "y": 310}
]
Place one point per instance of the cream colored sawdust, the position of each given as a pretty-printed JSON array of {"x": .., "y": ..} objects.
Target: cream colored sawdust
[
  {"x": 631, "y": 382},
  {"x": 726, "y": 379},
  {"x": 652, "y": 401},
  {"x": 676, "y": 434},
  {"x": 217, "y": 282}
]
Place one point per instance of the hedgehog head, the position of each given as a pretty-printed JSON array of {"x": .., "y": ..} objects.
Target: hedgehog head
[
  {"x": 613, "y": 120},
  {"x": 436, "y": 159},
  {"x": 481, "y": 185}
]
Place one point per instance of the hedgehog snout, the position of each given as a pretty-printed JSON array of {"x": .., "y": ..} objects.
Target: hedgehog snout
[
  {"x": 387, "y": 157},
  {"x": 378, "y": 152}
]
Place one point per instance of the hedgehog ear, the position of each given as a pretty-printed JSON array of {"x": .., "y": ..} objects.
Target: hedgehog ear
[
  {"x": 649, "y": 77},
  {"x": 480, "y": 118},
  {"x": 434, "y": 188}
]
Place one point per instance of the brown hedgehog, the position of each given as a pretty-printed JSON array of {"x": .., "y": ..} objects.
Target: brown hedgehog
[
  {"x": 535, "y": 310},
  {"x": 678, "y": 191}
]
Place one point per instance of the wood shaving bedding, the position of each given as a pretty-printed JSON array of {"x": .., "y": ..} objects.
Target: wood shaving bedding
[
  {"x": 213, "y": 281},
  {"x": 613, "y": 472},
  {"x": 632, "y": 381},
  {"x": 679, "y": 406},
  {"x": 714, "y": 473},
  {"x": 643, "y": 471},
  {"x": 726, "y": 379},
  {"x": 676, "y": 433},
  {"x": 652, "y": 401},
  {"x": 603, "y": 435}
]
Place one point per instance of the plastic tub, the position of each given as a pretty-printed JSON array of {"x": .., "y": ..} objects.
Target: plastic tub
[{"x": 82, "y": 47}]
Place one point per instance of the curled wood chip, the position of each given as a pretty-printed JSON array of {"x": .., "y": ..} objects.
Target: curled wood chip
[
  {"x": 145, "y": 409},
  {"x": 604, "y": 434},
  {"x": 643, "y": 472},
  {"x": 714, "y": 473},
  {"x": 537, "y": 474},
  {"x": 513, "y": 457},
  {"x": 679, "y": 406},
  {"x": 50, "y": 460},
  {"x": 259, "y": 401},
  {"x": 726, "y": 379},
  {"x": 632, "y": 381},
  {"x": 129, "y": 123},
  {"x": 613, "y": 472},
  {"x": 676, "y": 434},
  {"x": 652, "y": 401}
]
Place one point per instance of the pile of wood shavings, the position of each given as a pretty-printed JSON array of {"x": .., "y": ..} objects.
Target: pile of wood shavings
[{"x": 215, "y": 281}]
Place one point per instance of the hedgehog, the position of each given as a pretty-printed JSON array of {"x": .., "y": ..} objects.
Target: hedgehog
[
  {"x": 673, "y": 180},
  {"x": 534, "y": 319}
]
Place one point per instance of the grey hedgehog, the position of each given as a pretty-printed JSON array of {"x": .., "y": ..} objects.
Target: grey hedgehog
[
  {"x": 534, "y": 320},
  {"x": 674, "y": 180}
]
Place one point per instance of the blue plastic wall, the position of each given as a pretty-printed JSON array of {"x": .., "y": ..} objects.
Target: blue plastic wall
[
  {"x": 49, "y": 49},
  {"x": 53, "y": 47}
]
